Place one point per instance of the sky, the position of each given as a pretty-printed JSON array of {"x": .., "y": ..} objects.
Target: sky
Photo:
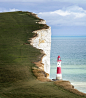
[{"x": 65, "y": 17}]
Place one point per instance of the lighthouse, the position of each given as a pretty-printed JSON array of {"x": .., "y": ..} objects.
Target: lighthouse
[{"x": 59, "y": 74}]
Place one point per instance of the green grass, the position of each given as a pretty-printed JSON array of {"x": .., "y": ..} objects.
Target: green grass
[{"x": 16, "y": 57}]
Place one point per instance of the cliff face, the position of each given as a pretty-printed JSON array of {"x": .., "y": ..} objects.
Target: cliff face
[{"x": 43, "y": 41}]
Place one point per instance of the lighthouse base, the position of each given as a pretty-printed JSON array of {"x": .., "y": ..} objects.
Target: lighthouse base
[
  {"x": 59, "y": 77},
  {"x": 56, "y": 79}
]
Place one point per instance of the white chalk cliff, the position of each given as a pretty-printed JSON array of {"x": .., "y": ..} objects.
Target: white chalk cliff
[{"x": 43, "y": 41}]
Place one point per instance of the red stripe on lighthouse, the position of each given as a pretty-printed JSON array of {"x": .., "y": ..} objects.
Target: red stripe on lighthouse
[{"x": 58, "y": 70}]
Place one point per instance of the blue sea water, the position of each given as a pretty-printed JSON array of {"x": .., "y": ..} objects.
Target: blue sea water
[{"x": 72, "y": 51}]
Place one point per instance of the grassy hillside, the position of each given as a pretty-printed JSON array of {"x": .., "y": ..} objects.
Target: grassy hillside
[{"x": 16, "y": 57}]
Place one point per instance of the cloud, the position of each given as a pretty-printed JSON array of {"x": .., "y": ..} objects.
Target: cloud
[
  {"x": 12, "y": 10},
  {"x": 70, "y": 16},
  {"x": 60, "y": 12},
  {"x": 69, "y": 1},
  {"x": 22, "y": 0},
  {"x": 8, "y": 10},
  {"x": 72, "y": 1}
]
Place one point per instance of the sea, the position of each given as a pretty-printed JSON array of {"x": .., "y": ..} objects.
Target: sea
[{"x": 72, "y": 51}]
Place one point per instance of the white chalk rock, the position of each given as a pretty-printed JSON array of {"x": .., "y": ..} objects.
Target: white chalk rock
[{"x": 43, "y": 41}]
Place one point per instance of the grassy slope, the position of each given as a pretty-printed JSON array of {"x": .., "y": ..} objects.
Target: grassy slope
[{"x": 16, "y": 57}]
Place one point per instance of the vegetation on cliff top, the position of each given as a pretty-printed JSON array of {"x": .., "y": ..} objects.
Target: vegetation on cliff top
[{"x": 16, "y": 57}]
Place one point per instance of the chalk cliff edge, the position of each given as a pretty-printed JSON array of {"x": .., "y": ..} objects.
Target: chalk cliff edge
[{"x": 42, "y": 41}]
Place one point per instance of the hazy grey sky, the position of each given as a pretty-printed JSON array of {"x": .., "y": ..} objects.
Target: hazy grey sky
[{"x": 66, "y": 17}]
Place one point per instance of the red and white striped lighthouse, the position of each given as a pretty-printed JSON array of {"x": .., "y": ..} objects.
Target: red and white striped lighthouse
[{"x": 59, "y": 74}]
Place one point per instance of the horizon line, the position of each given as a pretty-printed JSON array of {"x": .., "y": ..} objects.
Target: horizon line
[{"x": 68, "y": 36}]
